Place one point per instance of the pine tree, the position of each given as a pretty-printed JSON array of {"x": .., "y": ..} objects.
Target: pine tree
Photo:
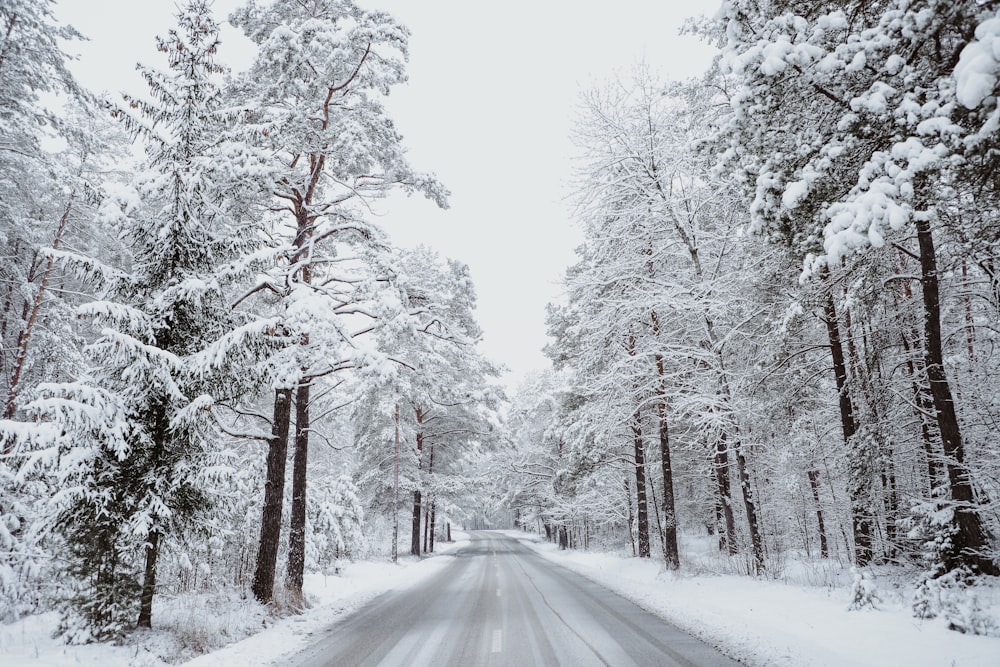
[
  {"x": 315, "y": 93},
  {"x": 134, "y": 429}
]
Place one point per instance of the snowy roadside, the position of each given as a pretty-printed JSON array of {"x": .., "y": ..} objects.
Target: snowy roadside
[
  {"x": 28, "y": 642},
  {"x": 770, "y": 623}
]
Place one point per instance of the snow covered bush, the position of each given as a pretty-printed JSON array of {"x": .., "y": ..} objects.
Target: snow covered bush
[
  {"x": 952, "y": 596},
  {"x": 864, "y": 592},
  {"x": 942, "y": 592},
  {"x": 335, "y": 523}
]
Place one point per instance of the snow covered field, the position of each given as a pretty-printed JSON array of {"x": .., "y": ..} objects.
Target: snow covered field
[{"x": 759, "y": 622}]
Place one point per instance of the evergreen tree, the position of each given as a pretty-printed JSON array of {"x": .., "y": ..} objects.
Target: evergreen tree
[{"x": 134, "y": 436}]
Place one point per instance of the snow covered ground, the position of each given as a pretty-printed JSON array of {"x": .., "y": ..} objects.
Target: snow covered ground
[
  {"x": 28, "y": 643},
  {"x": 762, "y": 622},
  {"x": 759, "y": 622}
]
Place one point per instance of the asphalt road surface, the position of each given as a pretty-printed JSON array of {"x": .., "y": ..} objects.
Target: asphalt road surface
[{"x": 500, "y": 603}]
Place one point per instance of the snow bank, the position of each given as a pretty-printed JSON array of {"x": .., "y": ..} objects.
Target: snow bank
[
  {"x": 771, "y": 623},
  {"x": 29, "y": 642}
]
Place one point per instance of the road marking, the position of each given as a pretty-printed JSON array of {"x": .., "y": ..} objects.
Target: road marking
[
  {"x": 498, "y": 592},
  {"x": 497, "y": 641}
]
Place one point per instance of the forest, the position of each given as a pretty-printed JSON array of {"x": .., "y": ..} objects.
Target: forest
[{"x": 778, "y": 343}]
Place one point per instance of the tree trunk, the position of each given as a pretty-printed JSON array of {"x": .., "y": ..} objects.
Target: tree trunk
[
  {"x": 824, "y": 549},
  {"x": 642, "y": 510},
  {"x": 430, "y": 548},
  {"x": 429, "y": 507},
  {"x": 751, "y": 509},
  {"x": 631, "y": 514},
  {"x": 297, "y": 529},
  {"x": 970, "y": 539},
  {"x": 274, "y": 491},
  {"x": 31, "y": 317},
  {"x": 149, "y": 581},
  {"x": 415, "y": 527},
  {"x": 725, "y": 504},
  {"x": 671, "y": 555},
  {"x": 395, "y": 491},
  {"x": 860, "y": 520}
]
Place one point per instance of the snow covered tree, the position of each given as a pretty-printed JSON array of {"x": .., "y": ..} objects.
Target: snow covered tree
[
  {"x": 865, "y": 129},
  {"x": 134, "y": 437},
  {"x": 314, "y": 100},
  {"x": 42, "y": 193},
  {"x": 658, "y": 281}
]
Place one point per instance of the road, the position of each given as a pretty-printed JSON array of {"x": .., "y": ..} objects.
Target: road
[{"x": 500, "y": 603}]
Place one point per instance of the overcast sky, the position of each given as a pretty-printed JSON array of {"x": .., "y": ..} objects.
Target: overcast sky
[{"x": 489, "y": 109}]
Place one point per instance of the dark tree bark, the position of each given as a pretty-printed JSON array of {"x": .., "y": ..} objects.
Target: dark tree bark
[
  {"x": 860, "y": 519},
  {"x": 158, "y": 464},
  {"x": 274, "y": 490},
  {"x": 149, "y": 581},
  {"x": 725, "y": 498},
  {"x": 430, "y": 548},
  {"x": 417, "y": 499},
  {"x": 641, "y": 504},
  {"x": 671, "y": 555},
  {"x": 631, "y": 514},
  {"x": 970, "y": 539},
  {"x": 429, "y": 507},
  {"x": 297, "y": 528},
  {"x": 824, "y": 549},
  {"x": 750, "y": 506}
]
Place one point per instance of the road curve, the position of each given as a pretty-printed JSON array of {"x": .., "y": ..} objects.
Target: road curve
[{"x": 500, "y": 603}]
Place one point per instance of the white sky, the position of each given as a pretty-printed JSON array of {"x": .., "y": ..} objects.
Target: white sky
[{"x": 488, "y": 109}]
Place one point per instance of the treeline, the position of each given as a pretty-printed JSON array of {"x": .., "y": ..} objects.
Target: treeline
[
  {"x": 782, "y": 328},
  {"x": 215, "y": 364}
]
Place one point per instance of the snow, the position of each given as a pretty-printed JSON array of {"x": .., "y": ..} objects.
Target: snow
[
  {"x": 804, "y": 621},
  {"x": 772, "y": 623},
  {"x": 764, "y": 622},
  {"x": 978, "y": 65},
  {"x": 183, "y": 622}
]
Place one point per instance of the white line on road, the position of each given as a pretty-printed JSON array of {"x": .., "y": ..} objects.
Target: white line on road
[
  {"x": 497, "y": 641},
  {"x": 498, "y": 592}
]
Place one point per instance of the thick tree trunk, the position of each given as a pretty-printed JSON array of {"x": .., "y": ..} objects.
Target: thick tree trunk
[
  {"x": 297, "y": 528},
  {"x": 671, "y": 555},
  {"x": 417, "y": 499},
  {"x": 751, "y": 509},
  {"x": 149, "y": 581},
  {"x": 274, "y": 491},
  {"x": 158, "y": 465},
  {"x": 641, "y": 505},
  {"x": 970, "y": 539},
  {"x": 860, "y": 519},
  {"x": 824, "y": 549},
  {"x": 429, "y": 507},
  {"x": 725, "y": 499}
]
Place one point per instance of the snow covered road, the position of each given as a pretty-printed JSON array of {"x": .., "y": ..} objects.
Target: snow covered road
[{"x": 500, "y": 603}]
